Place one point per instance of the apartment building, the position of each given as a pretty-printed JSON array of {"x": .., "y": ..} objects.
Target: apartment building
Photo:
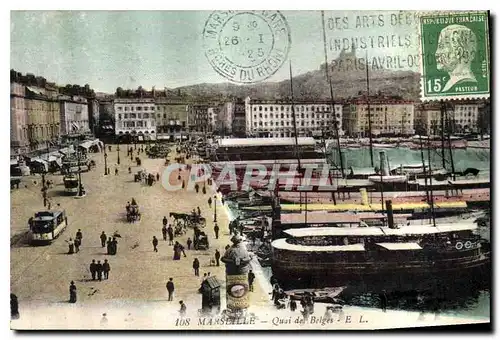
[
  {"x": 275, "y": 118},
  {"x": 135, "y": 117}
]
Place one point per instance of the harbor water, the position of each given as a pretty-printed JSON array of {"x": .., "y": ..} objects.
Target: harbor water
[
  {"x": 462, "y": 158},
  {"x": 467, "y": 300}
]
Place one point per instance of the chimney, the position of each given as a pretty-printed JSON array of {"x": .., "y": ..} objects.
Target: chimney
[
  {"x": 383, "y": 164},
  {"x": 390, "y": 214}
]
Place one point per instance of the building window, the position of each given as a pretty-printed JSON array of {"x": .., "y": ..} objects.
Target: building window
[
  {"x": 133, "y": 116},
  {"x": 138, "y": 108},
  {"x": 146, "y": 116},
  {"x": 164, "y": 116},
  {"x": 126, "y": 108},
  {"x": 131, "y": 108},
  {"x": 260, "y": 108},
  {"x": 119, "y": 116},
  {"x": 119, "y": 108}
]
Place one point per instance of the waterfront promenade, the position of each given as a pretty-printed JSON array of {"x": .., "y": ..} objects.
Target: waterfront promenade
[{"x": 42, "y": 274}]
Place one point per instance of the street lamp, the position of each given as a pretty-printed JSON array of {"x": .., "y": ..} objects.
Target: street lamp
[
  {"x": 215, "y": 208},
  {"x": 80, "y": 186},
  {"x": 118, "y": 153},
  {"x": 105, "y": 163}
]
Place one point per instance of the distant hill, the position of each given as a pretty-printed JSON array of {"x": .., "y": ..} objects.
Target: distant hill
[{"x": 346, "y": 82}]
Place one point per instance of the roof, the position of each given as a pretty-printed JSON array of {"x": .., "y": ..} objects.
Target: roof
[
  {"x": 324, "y": 218},
  {"x": 282, "y": 244},
  {"x": 374, "y": 231},
  {"x": 211, "y": 282},
  {"x": 272, "y": 161},
  {"x": 400, "y": 246},
  {"x": 242, "y": 142}
]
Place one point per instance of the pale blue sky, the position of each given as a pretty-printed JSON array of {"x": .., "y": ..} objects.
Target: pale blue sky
[{"x": 107, "y": 49}]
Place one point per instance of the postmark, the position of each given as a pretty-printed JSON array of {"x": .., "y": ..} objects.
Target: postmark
[
  {"x": 246, "y": 46},
  {"x": 454, "y": 56}
]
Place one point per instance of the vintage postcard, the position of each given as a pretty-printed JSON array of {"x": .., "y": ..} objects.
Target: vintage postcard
[{"x": 249, "y": 170}]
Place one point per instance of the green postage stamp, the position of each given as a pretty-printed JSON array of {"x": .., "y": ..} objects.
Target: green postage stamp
[{"x": 454, "y": 56}]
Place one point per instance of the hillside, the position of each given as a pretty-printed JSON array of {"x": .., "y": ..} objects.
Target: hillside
[{"x": 314, "y": 85}]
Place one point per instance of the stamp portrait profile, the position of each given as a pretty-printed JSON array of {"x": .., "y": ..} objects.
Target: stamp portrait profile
[
  {"x": 246, "y": 46},
  {"x": 455, "y": 56}
]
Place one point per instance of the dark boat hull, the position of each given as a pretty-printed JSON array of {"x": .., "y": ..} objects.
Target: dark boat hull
[{"x": 391, "y": 278}]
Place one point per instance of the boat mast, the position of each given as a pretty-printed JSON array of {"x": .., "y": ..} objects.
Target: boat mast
[
  {"x": 430, "y": 182},
  {"x": 423, "y": 164},
  {"x": 443, "y": 112},
  {"x": 296, "y": 137},
  {"x": 448, "y": 127},
  {"x": 369, "y": 113},
  {"x": 336, "y": 126}
]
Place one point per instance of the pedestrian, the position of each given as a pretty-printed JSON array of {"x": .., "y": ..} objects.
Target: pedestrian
[
  {"x": 103, "y": 239},
  {"x": 183, "y": 184},
  {"x": 170, "y": 289},
  {"x": 217, "y": 257},
  {"x": 199, "y": 211},
  {"x": 383, "y": 300},
  {"x": 106, "y": 269},
  {"x": 114, "y": 246},
  {"x": 71, "y": 246},
  {"x": 79, "y": 235},
  {"x": 109, "y": 246},
  {"x": 216, "y": 230},
  {"x": 170, "y": 232},
  {"x": 251, "y": 278},
  {"x": 157, "y": 177},
  {"x": 77, "y": 245},
  {"x": 72, "y": 292},
  {"x": 196, "y": 267},
  {"x": 182, "y": 311},
  {"x": 165, "y": 221},
  {"x": 204, "y": 190},
  {"x": 155, "y": 244},
  {"x": 116, "y": 171},
  {"x": 189, "y": 241},
  {"x": 164, "y": 232},
  {"x": 208, "y": 275},
  {"x": 293, "y": 305},
  {"x": 227, "y": 247},
  {"x": 93, "y": 269},
  {"x": 210, "y": 202},
  {"x": 98, "y": 269}
]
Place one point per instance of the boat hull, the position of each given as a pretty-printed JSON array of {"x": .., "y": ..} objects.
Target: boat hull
[{"x": 366, "y": 277}]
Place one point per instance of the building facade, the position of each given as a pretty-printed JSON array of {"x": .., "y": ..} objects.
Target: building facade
[
  {"x": 275, "y": 119},
  {"x": 389, "y": 117},
  {"x": 198, "y": 119},
  {"x": 34, "y": 122},
  {"x": 238, "y": 120},
  {"x": 466, "y": 117},
  {"x": 74, "y": 117},
  {"x": 135, "y": 117},
  {"x": 171, "y": 119},
  {"x": 427, "y": 119}
]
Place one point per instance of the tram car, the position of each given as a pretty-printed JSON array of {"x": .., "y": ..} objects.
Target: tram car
[
  {"x": 70, "y": 184},
  {"x": 46, "y": 226}
]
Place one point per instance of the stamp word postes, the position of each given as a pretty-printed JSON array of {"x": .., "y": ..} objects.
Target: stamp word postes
[
  {"x": 246, "y": 46},
  {"x": 455, "y": 56}
]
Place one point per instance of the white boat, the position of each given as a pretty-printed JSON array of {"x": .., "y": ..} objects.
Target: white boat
[{"x": 388, "y": 179}]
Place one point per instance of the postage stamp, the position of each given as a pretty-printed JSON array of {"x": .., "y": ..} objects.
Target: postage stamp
[
  {"x": 455, "y": 56},
  {"x": 246, "y": 46}
]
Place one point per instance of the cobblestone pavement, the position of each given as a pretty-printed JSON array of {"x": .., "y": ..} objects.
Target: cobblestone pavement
[{"x": 138, "y": 273}]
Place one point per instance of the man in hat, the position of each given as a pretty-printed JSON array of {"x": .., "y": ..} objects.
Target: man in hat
[
  {"x": 164, "y": 232},
  {"x": 79, "y": 235},
  {"x": 217, "y": 257},
  {"x": 93, "y": 269},
  {"x": 155, "y": 244},
  {"x": 72, "y": 292},
  {"x": 99, "y": 269},
  {"x": 103, "y": 238},
  {"x": 251, "y": 278},
  {"x": 106, "y": 269},
  {"x": 170, "y": 289}
]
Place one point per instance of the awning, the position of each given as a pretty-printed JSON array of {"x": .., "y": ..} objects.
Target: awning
[
  {"x": 400, "y": 246},
  {"x": 75, "y": 126},
  {"x": 87, "y": 144},
  {"x": 32, "y": 89}
]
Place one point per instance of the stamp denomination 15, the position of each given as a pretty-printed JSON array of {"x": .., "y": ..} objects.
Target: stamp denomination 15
[
  {"x": 246, "y": 46},
  {"x": 455, "y": 56}
]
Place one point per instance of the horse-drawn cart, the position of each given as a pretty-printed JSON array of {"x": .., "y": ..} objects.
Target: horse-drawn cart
[{"x": 133, "y": 213}]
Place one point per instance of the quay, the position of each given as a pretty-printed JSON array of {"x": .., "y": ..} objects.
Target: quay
[{"x": 43, "y": 273}]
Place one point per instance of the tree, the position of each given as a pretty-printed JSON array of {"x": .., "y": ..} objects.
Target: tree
[{"x": 119, "y": 92}]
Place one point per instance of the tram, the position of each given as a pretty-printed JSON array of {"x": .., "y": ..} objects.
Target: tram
[
  {"x": 46, "y": 226},
  {"x": 71, "y": 184}
]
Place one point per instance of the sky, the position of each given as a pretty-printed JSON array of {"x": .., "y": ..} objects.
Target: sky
[{"x": 108, "y": 49}]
